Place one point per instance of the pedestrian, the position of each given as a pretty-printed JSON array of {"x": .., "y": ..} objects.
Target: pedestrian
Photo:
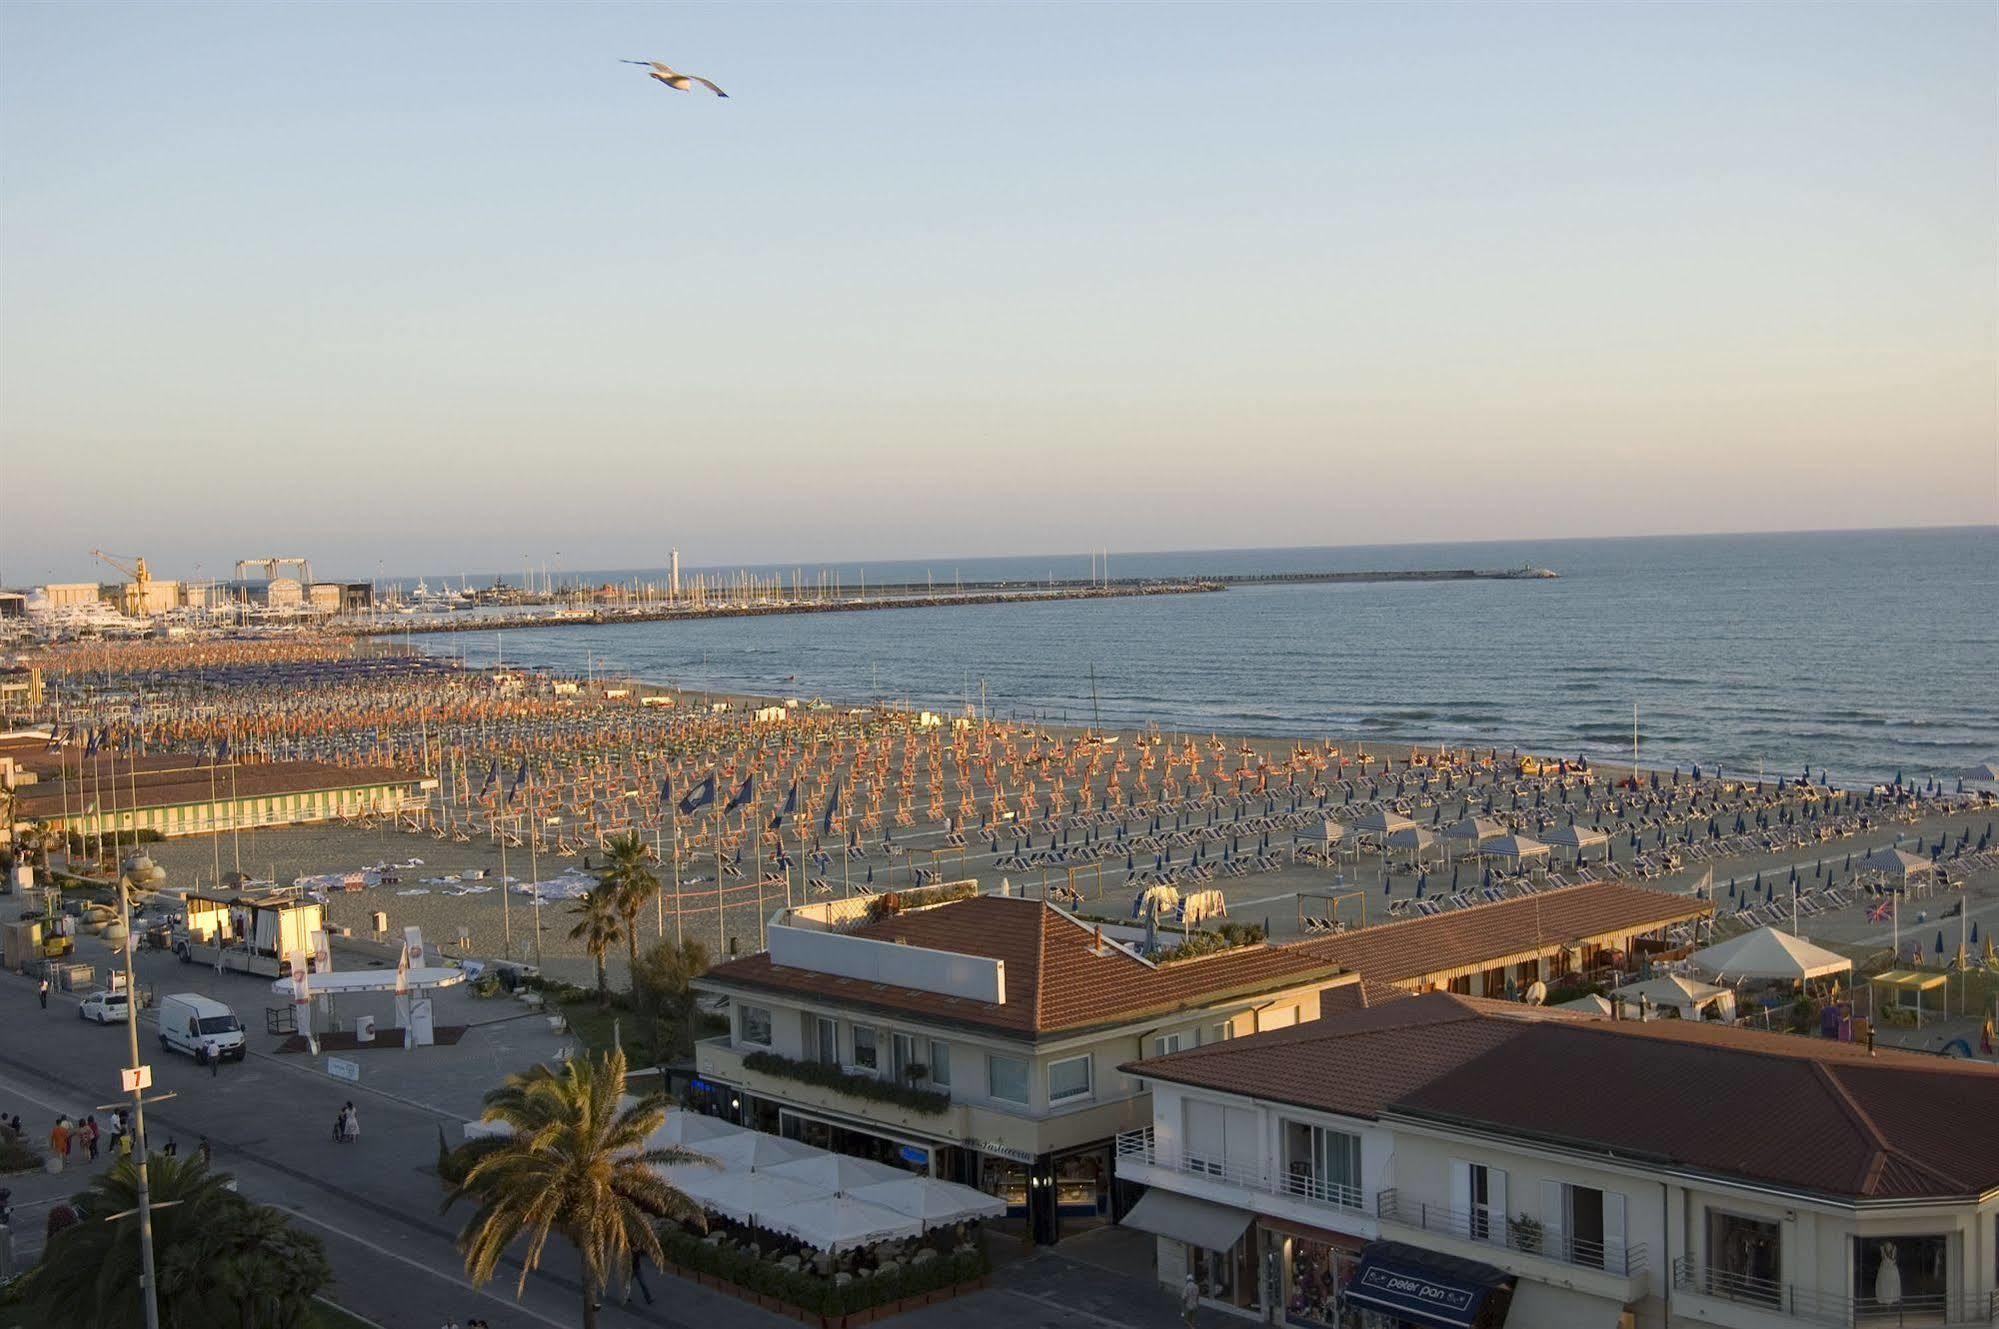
[
  {"x": 44, "y": 991},
  {"x": 90, "y": 1134},
  {"x": 638, "y": 1280},
  {"x": 340, "y": 1126},
  {"x": 205, "y": 1152},
  {"x": 1190, "y": 1300},
  {"x": 353, "y": 1123},
  {"x": 171, "y": 1149},
  {"x": 59, "y": 1141},
  {"x": 125, "y": 1145}
]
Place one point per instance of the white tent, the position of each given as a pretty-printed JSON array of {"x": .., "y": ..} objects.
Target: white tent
[
  {"x": 1687, "y": 997},
  {"x": 1577, "y": 838},
  {"x": 749, "y": 1197},
  {"x": 1897, "y": 863},
  {"x": 1985, "y": 772},
  {"x": 836, "y": 1222},
  {"x": 1475, "y": 829},
  {"x": 836, "y": 1172},
  {"x": 1768, "y": 953},
  {"x": 933, "y": 1203},
  {"x": 1381, "y": 821},
  {"x": 752, "y": 1151},
  {"x": 1515, "y": 847},
  {"x": 1590, "y": 1003},
  {"x": 1416, "y": 839},
  {"x": 688, "y": 1130}
]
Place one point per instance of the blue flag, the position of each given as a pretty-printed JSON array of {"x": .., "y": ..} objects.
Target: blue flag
[
  {"x": 700, "y": 796},
  {"x": 832, "y": 806},
  {"x": 665, "y": 792},
  {"x": 790, "y": 806},
  {"x": 744, "y": 794}
]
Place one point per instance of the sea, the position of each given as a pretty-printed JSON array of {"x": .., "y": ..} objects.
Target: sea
[{"x": 1862, "y": 655}]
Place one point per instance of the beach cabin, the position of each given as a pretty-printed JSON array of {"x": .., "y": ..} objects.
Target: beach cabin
[{"x": 251, "y": 934}]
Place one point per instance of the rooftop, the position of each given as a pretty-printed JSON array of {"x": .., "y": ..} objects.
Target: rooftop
[
  {"x": 1058, "y": 978},
  {"x": 1478, "y": 937},
  {"x": 1804, "y": 1115}
]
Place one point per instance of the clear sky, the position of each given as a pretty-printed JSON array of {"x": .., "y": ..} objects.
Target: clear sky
[{"x": 440, "y": 287}]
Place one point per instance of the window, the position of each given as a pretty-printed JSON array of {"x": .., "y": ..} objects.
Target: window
[
  {"x": 1165, "y": 1043},
  {"x": 1068, "y": 1079},
  {"x": 940, "y": 1062},
  {"x": 1322, "y": 1164},
  {"x": 1006, "y": 1079},
  {"x": 1221, "y": 1033},
  {"x": 1583, "y": 1225},
  {"x": 1901, "y": 1274},
  {"x": 826, "y": 1041},
  {"x": 1478, "y": 1200},
  {"x": 902, "y": 1056},
  {"x": 864, "y": 1048},
  {"x": 756, "y": 1025},
  {"x": 1745, "y": 1258},
  {"x": 1221, "y": 1138}
]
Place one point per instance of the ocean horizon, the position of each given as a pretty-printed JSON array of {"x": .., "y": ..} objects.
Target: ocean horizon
[{"x": 1860, "y": 653}]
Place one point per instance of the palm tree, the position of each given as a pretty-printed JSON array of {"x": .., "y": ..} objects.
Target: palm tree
[
  {"x": 628, "y": 872},
  {"x": 221, "y": 1260},
  {"x": 573, "y": 1165},
  {"x": 600, "y": 929}
]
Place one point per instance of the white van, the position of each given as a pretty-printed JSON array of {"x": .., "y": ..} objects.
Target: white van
[{"x": 200, "y": 1026}]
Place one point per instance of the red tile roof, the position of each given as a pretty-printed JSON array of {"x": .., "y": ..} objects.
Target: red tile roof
[
  {"x": 1799, "y": 1114},
  {"x": 1055, "y": 979},
  {"x": 1465, "y": 940},
  {"x": 1355, "y": 1062}
]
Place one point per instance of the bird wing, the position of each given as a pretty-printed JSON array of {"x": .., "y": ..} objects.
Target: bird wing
[
  {"x": 676, "y": 81},
  {"x": 708, "y": 85}
]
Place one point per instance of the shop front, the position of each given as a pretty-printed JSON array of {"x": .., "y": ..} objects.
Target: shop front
[
  {"x": 1312, "y": 1270},
  {"x": 1396, "y": 1286},
  {"x": 1053, "y": 1195}
]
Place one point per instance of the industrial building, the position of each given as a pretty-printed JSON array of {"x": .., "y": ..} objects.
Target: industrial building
[{"x": 181, "y": 795}]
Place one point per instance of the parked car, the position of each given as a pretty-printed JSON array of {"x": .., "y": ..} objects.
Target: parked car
[{"x": 106, "y": 1008}]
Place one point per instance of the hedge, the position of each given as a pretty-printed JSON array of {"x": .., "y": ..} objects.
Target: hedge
[
  {"x": 816, "y": 1293},
  {"x": 927, "y": 1101}
]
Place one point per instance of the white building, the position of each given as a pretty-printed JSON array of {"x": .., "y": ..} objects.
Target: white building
[
  {"x": 1443, "y": 1161},
  {"x": 978, "y": 1040}
]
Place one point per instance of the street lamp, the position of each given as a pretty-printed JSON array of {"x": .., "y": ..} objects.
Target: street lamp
[{"x": 140, "y": 871}]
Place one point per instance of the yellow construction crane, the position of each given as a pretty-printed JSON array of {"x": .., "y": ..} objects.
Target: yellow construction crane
[{"x": 134, "y": 602}]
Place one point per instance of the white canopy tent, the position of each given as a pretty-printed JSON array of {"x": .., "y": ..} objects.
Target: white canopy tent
[
  {"x": 1898, "y": 864},
  {"x": 1686, "y": 997},
  {"x": 1475, "y": 830},
  {"x": 1380, "y": 822},
  {"x": 1767, "y": 953},
  {"x": 1417, "y": 840},
  {"x": 754, "y": 1151},
  {"x": 837, "y": 1222},
  {"x": 836, "y": 1172},
  {"x": 749, "y": 1197},
  {"x": 1519, "y": 848},
  {"x": 1577, "y": 838},
  {"x": 691, "y": 1130},
  {"x": 931, "y": 1202}
]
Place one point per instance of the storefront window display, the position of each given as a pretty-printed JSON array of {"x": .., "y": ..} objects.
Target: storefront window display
[
  {"x": 1902, "y": 1276},
  {"x": 1317, "y": 1272}
]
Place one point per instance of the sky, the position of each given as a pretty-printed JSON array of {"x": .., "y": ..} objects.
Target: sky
[{"x": 405, "y": 288}]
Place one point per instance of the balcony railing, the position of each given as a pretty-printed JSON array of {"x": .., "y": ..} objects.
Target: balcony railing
[
  {"x": 1139, "y": 1147},
  {"x": 1833, "y": 1308},
  {"x": 1529, "y": 1238}
]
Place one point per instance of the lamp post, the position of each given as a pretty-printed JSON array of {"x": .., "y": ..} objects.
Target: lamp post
[{"x": 141, "y": 870}]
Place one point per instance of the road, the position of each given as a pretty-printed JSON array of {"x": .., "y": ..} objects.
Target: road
[{"x": 375, "y": 1202}]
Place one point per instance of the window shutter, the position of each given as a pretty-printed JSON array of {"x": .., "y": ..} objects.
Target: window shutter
[
  {"x": 1204, "y": 1132},
  {"x": 1613, "y": 1230},
  {"x": 1554, "y": 1217},
  {"x": 1461, "y": 1189},
  {"x": 1495, "y": 1185},
  {"x": 1242, "y": 1149}
]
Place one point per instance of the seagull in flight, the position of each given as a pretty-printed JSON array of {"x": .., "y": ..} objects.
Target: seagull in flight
[{"x": 674, "y": 79}]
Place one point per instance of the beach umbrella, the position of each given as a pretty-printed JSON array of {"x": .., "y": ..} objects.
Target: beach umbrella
[{"x": 1939, "y": 941}]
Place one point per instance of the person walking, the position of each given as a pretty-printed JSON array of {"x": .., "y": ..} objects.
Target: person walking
[
  {"x": 90, "y": 1136},
  {"x": 637, "y": 1280},
  {"x": 1190, "y": 1300},
  {"x": 43, "y": 990},
  {"x": 206, "y": 1152},
  {"x": 59, "y": 1141},
  {"x": 352, "y": 1130}
]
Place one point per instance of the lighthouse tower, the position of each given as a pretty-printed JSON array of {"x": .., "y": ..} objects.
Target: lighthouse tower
[{"x": 673, "y": 577}]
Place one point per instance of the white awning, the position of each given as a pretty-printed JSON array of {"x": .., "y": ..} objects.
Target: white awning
[
  {"x": 1539, "y": 1306},
  {"x": 1199, "y": 1223}
]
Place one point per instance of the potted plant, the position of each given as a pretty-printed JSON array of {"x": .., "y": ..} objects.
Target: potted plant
[{"x": 1524, "y": 1233}]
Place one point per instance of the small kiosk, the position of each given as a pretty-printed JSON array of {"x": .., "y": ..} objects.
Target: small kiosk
[{"x": 253, "y": 934}]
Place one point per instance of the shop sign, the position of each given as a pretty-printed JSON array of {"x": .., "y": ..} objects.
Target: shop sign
[{"x": 998, "y": 1150}]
